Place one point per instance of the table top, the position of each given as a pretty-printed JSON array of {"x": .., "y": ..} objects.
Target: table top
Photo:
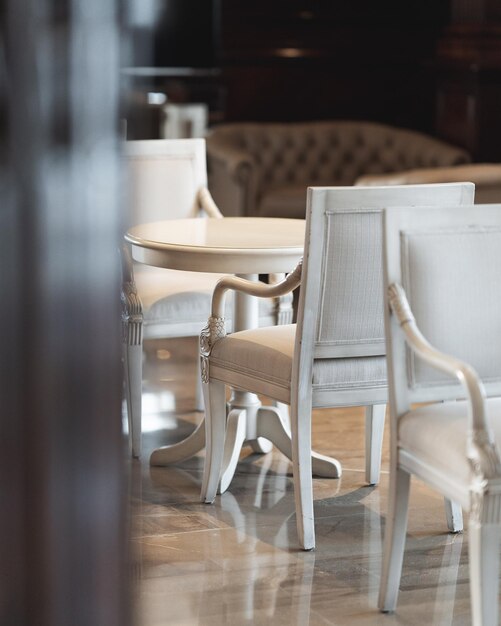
[{"x": 236, "y": 245}]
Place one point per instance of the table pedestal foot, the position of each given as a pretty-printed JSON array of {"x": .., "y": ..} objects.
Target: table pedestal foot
[
  {"x": 256, "y": 423},
  {"x": 167, "y": 455},
  {"x": 272, "y": 425}
]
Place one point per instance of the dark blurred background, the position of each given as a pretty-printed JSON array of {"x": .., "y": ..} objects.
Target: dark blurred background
[{"x": 428, "y": 65}]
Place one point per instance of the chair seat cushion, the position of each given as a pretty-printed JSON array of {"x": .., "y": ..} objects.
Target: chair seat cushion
[
  {"x": 260, "y": 360},
  {"x": 173, "y": 296},
  {"x": 437, "y": 434}
]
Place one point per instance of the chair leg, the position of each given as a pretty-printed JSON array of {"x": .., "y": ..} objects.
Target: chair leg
[
  {"x": 454, "y": 516},
  {"x": 374, "y": 429},
  {"x": 484, "y": 572},
  {"x": 215, "y": 427},
  {"x": 133, "y": 366},
  {"x": 394, "y": 539},
  {"x": 302, "y": 474},
  {"x": 199, "y": 394}
]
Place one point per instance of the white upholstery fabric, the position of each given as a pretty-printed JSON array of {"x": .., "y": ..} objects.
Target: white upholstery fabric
[
  {"x": 352, "y": 304},
  {"x": 437, "y": 433},
  {"x": 450, "y": 311},
  {"x": 261, "y": 361},
  {"x": 173, "y": 296}
]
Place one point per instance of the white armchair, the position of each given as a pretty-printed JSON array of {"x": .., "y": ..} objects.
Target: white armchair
[
  {"x": 335, "y": 356},
  {"x": 443, "y": 286},
  {"x": 166, "y": 179}
]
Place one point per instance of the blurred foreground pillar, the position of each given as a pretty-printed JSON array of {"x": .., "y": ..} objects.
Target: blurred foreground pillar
[{"x": 62, "y": 478}]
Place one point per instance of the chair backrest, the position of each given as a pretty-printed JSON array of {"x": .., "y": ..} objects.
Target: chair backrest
[
  {"x": 163, "y": 177},
  {"x": 448, "y": 261},
  {"x": 341, "y": 295}
]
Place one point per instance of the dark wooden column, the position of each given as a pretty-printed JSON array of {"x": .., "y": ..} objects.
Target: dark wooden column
[
  {"x": 469, "y": 78},
  {"x": 62, "y": 463}
]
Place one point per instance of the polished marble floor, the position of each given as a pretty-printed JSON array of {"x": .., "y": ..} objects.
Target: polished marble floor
[{"x": 237, "y": 561}]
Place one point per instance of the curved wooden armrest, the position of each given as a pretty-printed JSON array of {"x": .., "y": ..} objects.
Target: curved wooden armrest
[
  {"x": 207, "y": 203},
  {"x": 481, "y": 448},
  {"x": 252, "y": 288}
]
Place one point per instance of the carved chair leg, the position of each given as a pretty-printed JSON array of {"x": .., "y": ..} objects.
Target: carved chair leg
[
  {"x": 215, "y": 429},
  {"x": 199, "y": 394},
  {"x": 132, "y": 337},
  {"x": 133, "y": 367}
]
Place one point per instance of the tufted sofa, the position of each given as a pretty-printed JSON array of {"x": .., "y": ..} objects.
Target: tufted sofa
[{"x": 264, "y": 168}]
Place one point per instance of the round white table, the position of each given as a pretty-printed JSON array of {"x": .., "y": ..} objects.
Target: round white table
[{"x": 247, "y": 247}]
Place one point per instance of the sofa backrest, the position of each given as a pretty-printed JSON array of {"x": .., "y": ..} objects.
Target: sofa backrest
[{"x": 332, "y": 152}]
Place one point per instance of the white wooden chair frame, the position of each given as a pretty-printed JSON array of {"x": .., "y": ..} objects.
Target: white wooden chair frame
[
  {"x": 324, "y": 204},
  {"x": 482, "y": 495},
  {"x": 133, "y": 333},
  {"x": 167, "y": 152}
]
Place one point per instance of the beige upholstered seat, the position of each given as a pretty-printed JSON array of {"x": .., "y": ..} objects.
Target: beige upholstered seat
[
  {"x": 264, "y": 168},
  {"x": 261, "y": 361},
  {"x": 485, "y": 176},
  {"x": 180, "y": 300},
  {"x": 443, "y": 335},
  {"x": 166, "y": 179},
  {"x": 335, "y": 356},
  {"x": 437, "y": 434}
]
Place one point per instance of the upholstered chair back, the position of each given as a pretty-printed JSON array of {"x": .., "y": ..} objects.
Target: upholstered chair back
[
  {"x": 158, "y": 192},
  {"x": 448, "y": 262},
  {"x": 341, "y": 299}
]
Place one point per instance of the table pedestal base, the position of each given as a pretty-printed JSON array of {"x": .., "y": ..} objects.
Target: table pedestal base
[
  {"x": 248, "y": 423},
  {"x": 269, "y": 424}
]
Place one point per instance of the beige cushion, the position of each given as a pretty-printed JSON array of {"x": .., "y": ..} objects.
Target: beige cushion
[
  {"x": 173, "y": 296},
  {"x": 485, "y": 176},
  {"x": 260, "y": 360},
  {"x": 437, "y": 433}
]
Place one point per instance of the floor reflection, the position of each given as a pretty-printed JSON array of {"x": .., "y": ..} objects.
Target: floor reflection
[{"x": 237, "y": 561}]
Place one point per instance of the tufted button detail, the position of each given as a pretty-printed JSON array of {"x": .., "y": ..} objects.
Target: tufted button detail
[
  {"x": 348, "y": 157},
  {"x": 328, "y": 153}
]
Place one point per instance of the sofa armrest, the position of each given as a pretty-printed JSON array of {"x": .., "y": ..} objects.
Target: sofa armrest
[
  {"x": 485, "y": 176},
  {"x": 234, "y": 176},
  {"x": 237, "y": 163}
]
